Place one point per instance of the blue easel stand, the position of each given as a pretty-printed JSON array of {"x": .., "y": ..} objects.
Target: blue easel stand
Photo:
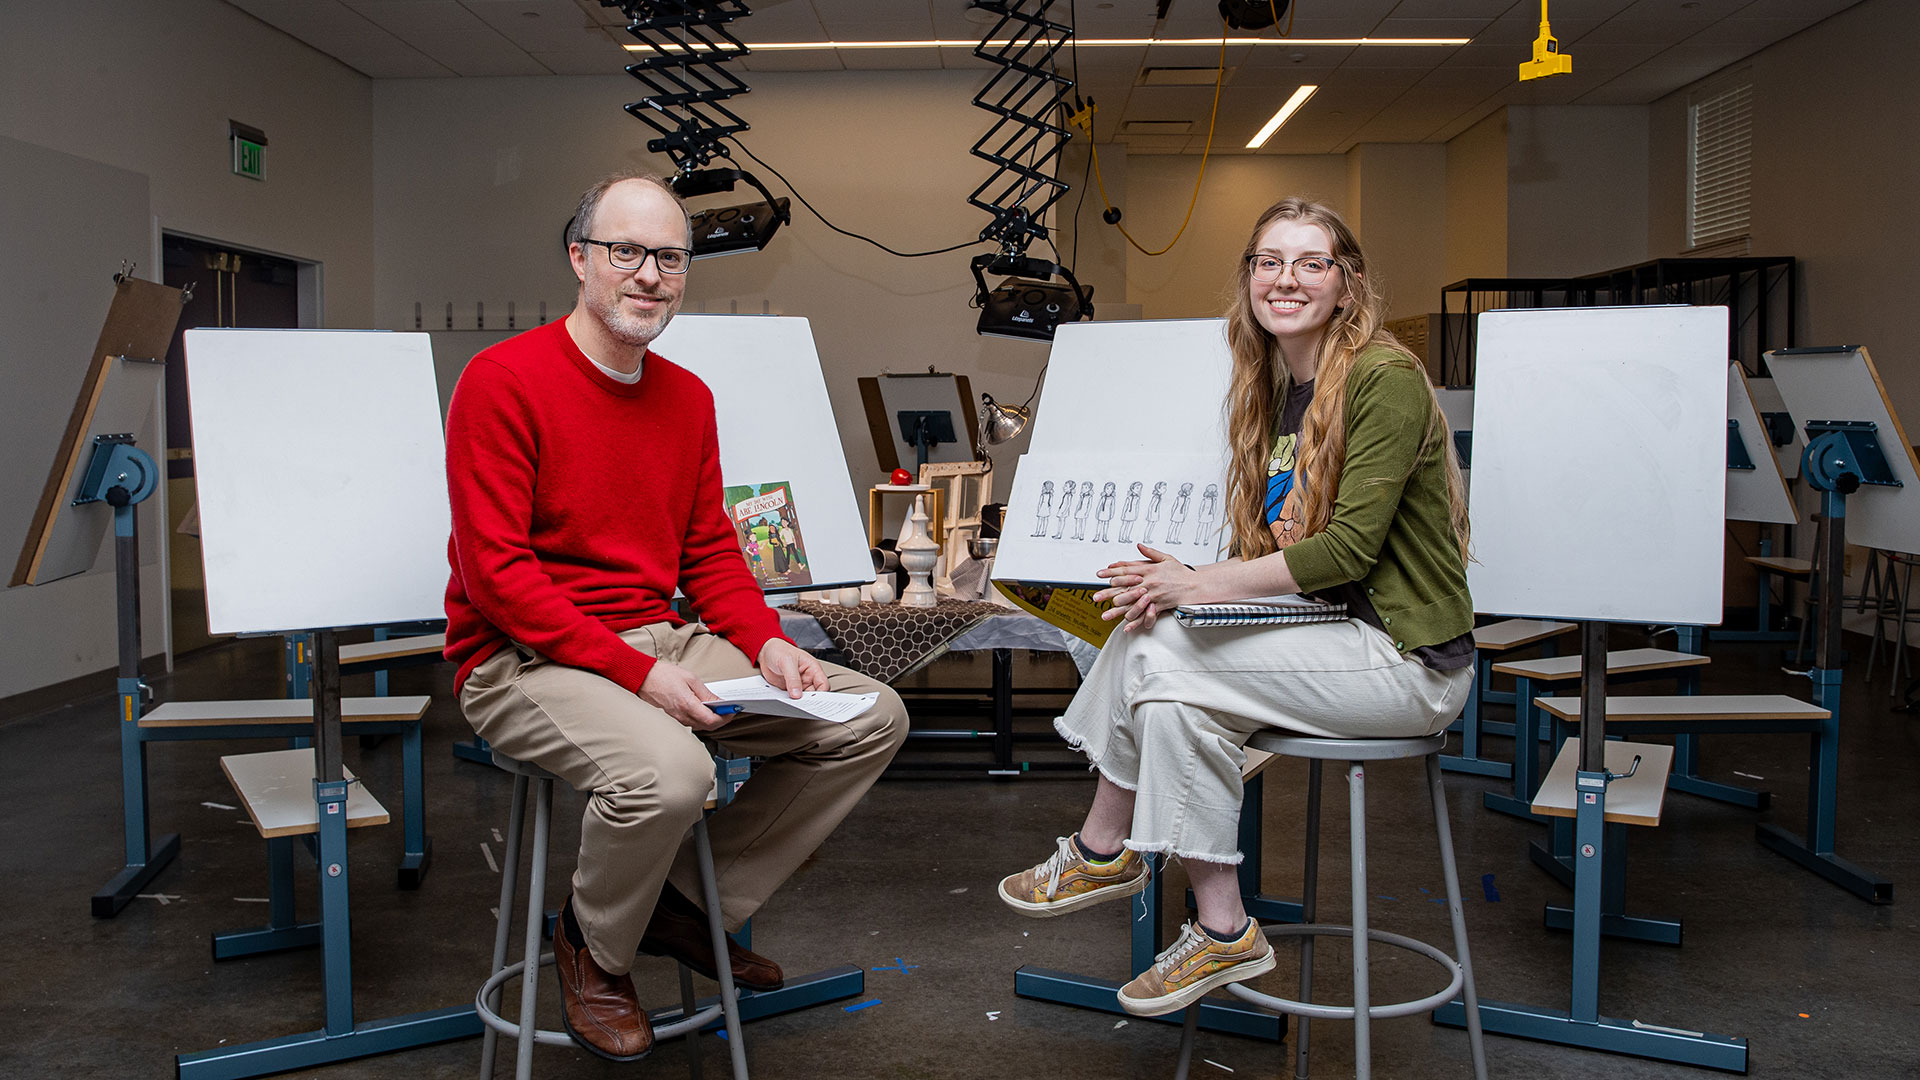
[
  {"x": 341, "y": 1039},
  {"x": 1841, "y": 456},
  {"x": 123, "y": 476},
  {"x": 1581, "y": 1024}
]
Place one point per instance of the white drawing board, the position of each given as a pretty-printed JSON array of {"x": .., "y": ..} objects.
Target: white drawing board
[
  {"x": 1600, "y": 454},
  {"x": 1759, "y": 493},
  {"x": 322, "y": 478},
  {"x": 1841, "y": 384},
  {"x": 776, "y": 423},
  {"x": 1149, "y": 387},
  {"x": 1071, "y": 514},
  {"x": 1766, "y": 399},
  {"x": 1170, "y": 374}
]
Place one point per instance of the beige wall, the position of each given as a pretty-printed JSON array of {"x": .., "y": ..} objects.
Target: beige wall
[
  {"x": 476, "y": 177},
  {"x": 1836, "y": 169},
  {"x": 1192, "y": 279},
  {"x": 1399, "y": 209},
  {"x": 1574, "y": 180},
  {"x": 1477, "y": 200},
  {"x": 150, "y": 88},
  {"x": 118, "y": 114}
]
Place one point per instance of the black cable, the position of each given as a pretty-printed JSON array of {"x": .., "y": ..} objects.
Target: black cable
[
  {"x": 1085, "y": 174},
  {"x": 836, "y": 228},
  {"x": 1073, "y": 46}
]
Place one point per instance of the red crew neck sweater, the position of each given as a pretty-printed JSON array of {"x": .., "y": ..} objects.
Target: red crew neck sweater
[{"x": 580, "y": 503}]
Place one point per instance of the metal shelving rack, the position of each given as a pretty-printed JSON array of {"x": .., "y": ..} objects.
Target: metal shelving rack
[{"x": 1759, "y": 293}]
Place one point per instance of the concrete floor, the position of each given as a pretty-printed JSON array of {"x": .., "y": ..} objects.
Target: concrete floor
[{"x": 1822, "y": 984}]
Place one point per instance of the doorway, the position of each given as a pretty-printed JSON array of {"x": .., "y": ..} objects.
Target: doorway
[{"x": 231, "y": 286}]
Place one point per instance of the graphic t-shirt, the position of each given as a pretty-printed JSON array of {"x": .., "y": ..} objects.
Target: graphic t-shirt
[
  {"x": 1283, "y": 517},
  {"x": 1283, "y": 507}
]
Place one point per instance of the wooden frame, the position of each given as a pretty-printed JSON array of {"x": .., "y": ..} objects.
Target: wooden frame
[
  {"x": 966, "y": 487},
  {"x": 139, "y": 325}
]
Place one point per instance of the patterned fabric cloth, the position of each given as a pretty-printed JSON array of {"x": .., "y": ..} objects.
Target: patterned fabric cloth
[{"x": 890, "y": 641}]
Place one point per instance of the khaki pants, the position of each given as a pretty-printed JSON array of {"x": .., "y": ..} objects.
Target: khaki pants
[{"x": 647, "y": 778}]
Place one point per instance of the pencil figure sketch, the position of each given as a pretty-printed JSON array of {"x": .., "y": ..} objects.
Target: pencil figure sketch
[
  {"x": 1178, "y": 515},
  {"x": 1103, "y": 514},
  {"x": 1066, "y": 508},
  {"x": 1045, "y": 510},
  {"x": 1082, "y": 509},
  {"x": 1209, "y": 510},
  {"x": 1153, "y": 511},
  {"x": 1129, "y": 511}
]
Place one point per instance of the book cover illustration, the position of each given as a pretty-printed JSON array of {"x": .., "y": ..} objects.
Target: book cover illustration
[{"x": 768, "y": 527}]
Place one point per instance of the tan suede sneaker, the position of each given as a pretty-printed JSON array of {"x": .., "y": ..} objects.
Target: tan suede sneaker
[
  {"x": 1195, "y": 966},
  {"x": 1066, "y": 881}
]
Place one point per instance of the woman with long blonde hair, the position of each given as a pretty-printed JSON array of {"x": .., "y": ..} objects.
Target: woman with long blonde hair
[{"x": 1341, "y": 486}]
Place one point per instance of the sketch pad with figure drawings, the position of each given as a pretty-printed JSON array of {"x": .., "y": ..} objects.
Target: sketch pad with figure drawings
[{"x": 1149, "y": 478}]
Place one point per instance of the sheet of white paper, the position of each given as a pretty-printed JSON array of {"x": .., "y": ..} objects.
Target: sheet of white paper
[
  {"x": 1070, "y": 514},
  {"x": 822, "y": 704}
]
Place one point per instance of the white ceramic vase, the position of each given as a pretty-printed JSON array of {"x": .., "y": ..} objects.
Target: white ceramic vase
[
  {"x": 918, "y": 554},
  {"x": 882, "y": 589}
]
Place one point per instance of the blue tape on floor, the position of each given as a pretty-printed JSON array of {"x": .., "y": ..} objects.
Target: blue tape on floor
[
  {"x": 1493, "y": 894},
  {"x": 863, "y": 1005}
]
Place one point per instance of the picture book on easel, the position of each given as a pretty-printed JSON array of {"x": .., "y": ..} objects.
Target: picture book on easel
[{"x": 768, "y": 527}]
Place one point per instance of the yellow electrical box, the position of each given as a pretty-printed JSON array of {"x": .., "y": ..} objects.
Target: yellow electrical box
[{"x": 1547, "y": 57}]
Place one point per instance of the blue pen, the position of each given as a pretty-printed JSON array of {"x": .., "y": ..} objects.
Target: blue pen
[{"x": 723, "y": 710}]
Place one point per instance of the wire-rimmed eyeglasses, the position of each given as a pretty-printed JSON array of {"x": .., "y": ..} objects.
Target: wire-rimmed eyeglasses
[
  {"x": 1307, "y": 269},
  {"x": 625, "y": 256}
]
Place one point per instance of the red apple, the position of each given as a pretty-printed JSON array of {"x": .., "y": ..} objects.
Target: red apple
[{"x": 902, "y": 477}]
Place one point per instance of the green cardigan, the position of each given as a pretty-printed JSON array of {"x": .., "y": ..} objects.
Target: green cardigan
[{"x": 1390, "y": 529}]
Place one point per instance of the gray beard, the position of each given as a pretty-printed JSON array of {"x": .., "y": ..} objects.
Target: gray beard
[{"x": 631, "y": 329}]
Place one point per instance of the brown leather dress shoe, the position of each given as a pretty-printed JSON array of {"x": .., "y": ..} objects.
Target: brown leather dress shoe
[
  {"x": 687, "y": 939},
  {"x": 600, "y": 1011}
]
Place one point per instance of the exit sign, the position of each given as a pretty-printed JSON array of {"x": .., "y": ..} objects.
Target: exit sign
[{"x": 249, "y": 150}]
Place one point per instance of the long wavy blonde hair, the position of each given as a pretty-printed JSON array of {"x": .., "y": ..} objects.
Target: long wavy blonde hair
[{"x": 1261, "y": 381}]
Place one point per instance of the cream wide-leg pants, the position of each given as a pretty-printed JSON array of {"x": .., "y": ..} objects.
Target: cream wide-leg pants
[
  {"x": 647, "y": 778},
  {"x": 1166, "y": 712}
]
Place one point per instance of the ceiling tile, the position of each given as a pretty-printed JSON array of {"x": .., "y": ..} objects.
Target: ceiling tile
[
  {"x": 1811, "y": 10},
  {"x": 608, "y": 61},
  {"x": 1455, "y": 9},
  {"x": 1400, "y": 56},
  {"x": 407, "y": 17},
  {"x": 476, "y": 53},
  {"x": 547, "y": 25},
  {"x": 345, "y": 35}
]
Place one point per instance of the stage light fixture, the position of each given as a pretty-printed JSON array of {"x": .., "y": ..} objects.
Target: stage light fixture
[
  {"x": 684, "y": 47},
  {"x": 1028, "y": 306},
  {"x": 1022, "y": 144}
]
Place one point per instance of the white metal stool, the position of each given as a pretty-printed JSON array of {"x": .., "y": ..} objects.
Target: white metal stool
[
  {"x": 487, "y": 1001},
  {"x": 1460, "y": 971}
]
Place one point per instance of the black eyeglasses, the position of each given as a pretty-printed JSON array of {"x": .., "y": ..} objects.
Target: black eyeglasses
[
  {"x": 625, "y": 256},
  {"x": 1307, "y": 269}
]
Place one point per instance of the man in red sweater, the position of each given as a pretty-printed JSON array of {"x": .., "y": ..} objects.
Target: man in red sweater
[{"x": 584, "y": 476}]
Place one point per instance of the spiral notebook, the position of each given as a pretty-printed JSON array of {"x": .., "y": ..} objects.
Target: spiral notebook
[{"x": 1261, "y": 611}]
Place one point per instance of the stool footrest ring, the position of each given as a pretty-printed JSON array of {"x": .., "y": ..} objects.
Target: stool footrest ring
[
  {"x": 544, "y": 1037},
  {"x": 1345, "y": 1012}
]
